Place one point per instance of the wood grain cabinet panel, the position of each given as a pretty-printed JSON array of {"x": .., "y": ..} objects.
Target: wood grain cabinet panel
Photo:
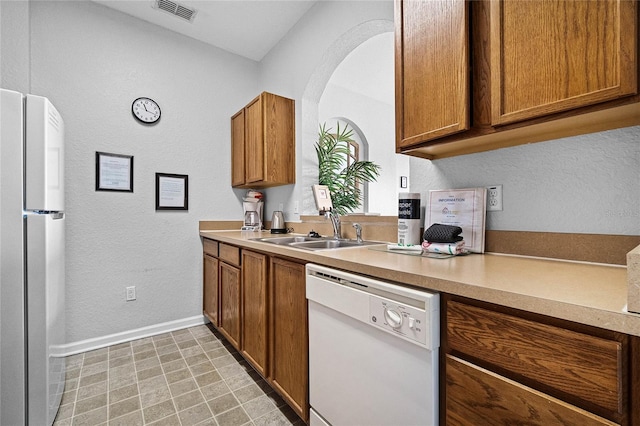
[
  {"x": 254, "y": 309},
  {"x": 289, "y": 339},
  {"x": 230, "y": 254},
  {"x": 229, "y": 316},
  {"x": 555, "y": 55},
  {"x": 432, "y": 70},
  {"x": 571, "y": 363},
  {"x": 210, "y": 288},
  {"x": 476, "y": 396},
  {"x": 237, "y": 149},
  {"x": 480, "y": 75},
  {"x": 263, "y": 143}
]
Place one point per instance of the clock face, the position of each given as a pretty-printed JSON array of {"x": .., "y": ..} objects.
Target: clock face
[{"x": 146, "y": 110}]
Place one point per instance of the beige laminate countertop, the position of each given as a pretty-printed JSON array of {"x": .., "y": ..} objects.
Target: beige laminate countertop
[{"x": 587, "y": 293}]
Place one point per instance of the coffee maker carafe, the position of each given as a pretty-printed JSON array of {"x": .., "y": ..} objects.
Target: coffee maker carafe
[{"x": 252, "y": 215}]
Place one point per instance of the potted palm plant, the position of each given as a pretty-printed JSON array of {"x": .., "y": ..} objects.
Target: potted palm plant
[{"x": 342, "y": 176}]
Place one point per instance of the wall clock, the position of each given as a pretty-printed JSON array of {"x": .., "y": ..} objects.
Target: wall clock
[{"x": 146, "y": 110}]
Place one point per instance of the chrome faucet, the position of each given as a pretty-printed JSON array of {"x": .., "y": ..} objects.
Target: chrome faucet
[
  {"x": 335, "y": 221},
  {"x": 358, "y": 232}
]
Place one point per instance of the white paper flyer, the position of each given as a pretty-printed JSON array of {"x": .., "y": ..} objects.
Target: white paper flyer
[{"x": 465, "y": 208}]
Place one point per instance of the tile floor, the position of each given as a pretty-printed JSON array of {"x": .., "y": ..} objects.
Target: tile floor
[{"x": 186, "y": 377}]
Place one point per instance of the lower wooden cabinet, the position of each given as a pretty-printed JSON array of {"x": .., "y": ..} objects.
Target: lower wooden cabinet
[
  {"x": 477, "y": 396},
  {"x": 210, "y": 288},
  {"x": 210, "y": 263},
  {"x": 504, "y": 366},
  {"x": 254, "y": 309},
  {"x": 289, "y": 338},
  {"x": 229, "y": 295},
  {"x": 258, "y": 302}
]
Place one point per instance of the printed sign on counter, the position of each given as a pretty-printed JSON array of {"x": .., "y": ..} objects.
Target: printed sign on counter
[{"x": 465, "y": 208}]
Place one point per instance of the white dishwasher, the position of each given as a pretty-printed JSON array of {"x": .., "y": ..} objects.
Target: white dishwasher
[{"x": 373, "y": 351}]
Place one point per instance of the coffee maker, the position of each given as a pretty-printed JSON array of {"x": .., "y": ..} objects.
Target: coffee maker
[{"x": 252, "y": 215}]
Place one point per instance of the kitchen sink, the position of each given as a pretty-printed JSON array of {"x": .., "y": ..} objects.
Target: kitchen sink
[
  {"x": 310, "y": 243},
  {"x": 283, "y": 241},
  {"x": 331, "y": 244}
]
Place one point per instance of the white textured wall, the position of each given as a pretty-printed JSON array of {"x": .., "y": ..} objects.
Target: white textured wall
[
  {"x": 376, "y": 120},
  {"x": 300, "y": 66},
  {"x": 583, "y": 184},
  {"x": 92, "y": 62},
  {"x": 14, "y": 46}
]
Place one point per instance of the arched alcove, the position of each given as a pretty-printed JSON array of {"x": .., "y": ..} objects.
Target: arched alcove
[{"x": 331, "y": 58}]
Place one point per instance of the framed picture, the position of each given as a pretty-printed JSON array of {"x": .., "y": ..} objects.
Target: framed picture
[
  {"x": 114, "y": 172},
  {"x": 172, "y": 192}
]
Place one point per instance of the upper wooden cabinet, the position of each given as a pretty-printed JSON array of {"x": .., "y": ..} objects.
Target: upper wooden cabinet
[
  {"x": 478, "y": 75},
  {"x": 263, "y": 143},
  {"x": 555, "y": 55},
  {"x": 432, "y": 70}
]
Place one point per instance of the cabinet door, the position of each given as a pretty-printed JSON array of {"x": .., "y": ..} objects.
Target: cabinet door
[
  {"x": 432, "y": 70},
  {"x": 237, "y": 149},
  {"x": 477, "y": 396},
  {"x": 549, "y": 56},
  {"x": 254, "y": 142},
  {"x": 279, "y": 134},
  {"x": 289, "y": 340},
  {"x": 230, "y": 303},
  {"x": 254, "y": 309},
  {"x": 210, "y": 288}
]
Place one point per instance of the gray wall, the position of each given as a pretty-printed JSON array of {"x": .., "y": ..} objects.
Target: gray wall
[
  {"x": 92, "y": 62},
  {"x": 584, "y": 184}
]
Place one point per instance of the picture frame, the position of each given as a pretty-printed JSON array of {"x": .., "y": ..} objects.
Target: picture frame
[
  {"x": 114, "y": 172},
  {"x": 172, "y": 191}
]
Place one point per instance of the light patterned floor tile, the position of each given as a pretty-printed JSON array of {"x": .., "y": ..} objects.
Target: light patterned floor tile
[{"x": 189, "y": 377}]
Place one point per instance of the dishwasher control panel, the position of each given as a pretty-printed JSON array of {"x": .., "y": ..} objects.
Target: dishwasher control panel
[{"x": 395, "y": 317}]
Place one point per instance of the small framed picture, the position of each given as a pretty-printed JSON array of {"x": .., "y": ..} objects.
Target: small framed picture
[
  {"x": 172, "y": 191},
  {"x": 114, "y": 172}
]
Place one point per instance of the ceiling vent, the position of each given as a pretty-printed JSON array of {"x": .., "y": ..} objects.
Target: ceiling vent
[{"x": 176, "y": 9}]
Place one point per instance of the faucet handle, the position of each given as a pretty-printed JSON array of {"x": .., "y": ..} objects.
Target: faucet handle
[{"x": 358, "y": 232}]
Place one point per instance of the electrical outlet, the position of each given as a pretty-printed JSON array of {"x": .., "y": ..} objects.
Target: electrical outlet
[
  {"x": 296, "y": 208},
  {"x": 281, "y": 207},
  {"x": 494, "y": 198},
  {"x": 131, "y": 293}
]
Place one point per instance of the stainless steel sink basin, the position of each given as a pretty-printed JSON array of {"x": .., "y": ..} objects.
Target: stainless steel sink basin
[
  {"x": 331, "y": 244},
  {"x": 310, "y": 243},
  {"x": 284, "y": 240}
]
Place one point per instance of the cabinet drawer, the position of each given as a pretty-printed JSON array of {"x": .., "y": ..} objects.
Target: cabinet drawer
[
  {"x": 476, "y": 396},
  {"x": 576, "y": 367},
  {"x": 210, "y": 247},
  {"x": 230, "y": 254}
]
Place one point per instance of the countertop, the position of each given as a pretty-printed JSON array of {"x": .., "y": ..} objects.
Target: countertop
[{"x": 587, "y": 293}]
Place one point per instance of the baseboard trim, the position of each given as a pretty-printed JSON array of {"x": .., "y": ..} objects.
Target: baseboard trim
[{"x": 129, "y": 335}]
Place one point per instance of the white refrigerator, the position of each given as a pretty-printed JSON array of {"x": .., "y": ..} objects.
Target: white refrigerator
[{"x": 32, "y": 277}]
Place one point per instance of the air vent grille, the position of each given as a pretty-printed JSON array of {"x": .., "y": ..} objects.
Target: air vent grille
[{"x": 176, "y": 9}]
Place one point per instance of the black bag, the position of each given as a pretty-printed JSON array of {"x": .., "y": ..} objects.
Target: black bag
[{"x": 439, "y": 233}]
